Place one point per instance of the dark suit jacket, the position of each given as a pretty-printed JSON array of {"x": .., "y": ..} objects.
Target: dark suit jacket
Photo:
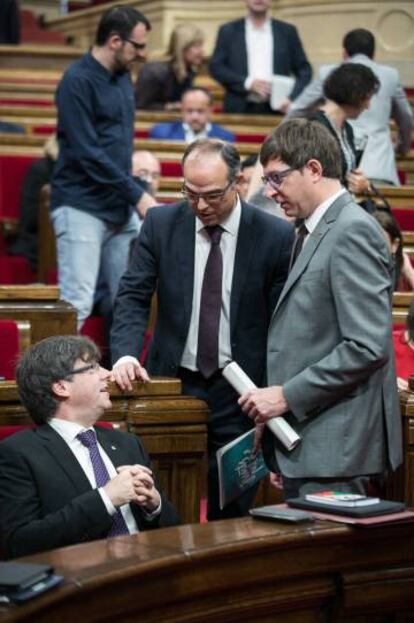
[
  {"x": 174, "y": 131},
  {"x": 163, "y": 259},
  {"x": 228, "y": 65},
  {"x": 46, "y": 500}
]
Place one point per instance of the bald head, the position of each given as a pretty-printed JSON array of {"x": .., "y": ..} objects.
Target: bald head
[{"x": 147, "y": 167}]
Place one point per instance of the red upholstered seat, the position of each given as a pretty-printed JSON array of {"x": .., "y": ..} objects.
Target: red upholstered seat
[
  {"x": 94, "y": 328},
  {"x": 171, "y": 169},
  {"x": 10, "y": 348},
  {"x": 15, "y": 270},
  {"x": 6, "y": 431},
  {"x": 13, "y": 170},
  {"x": 405, "y": 218}
]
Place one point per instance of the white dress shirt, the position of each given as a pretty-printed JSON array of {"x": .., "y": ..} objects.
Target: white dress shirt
[
  {"x": 68, "y": 431},
  {"x": 228, "y": 245},
  {"x": 190, "y": 135},
  {"x": 312, "y": 220},
  {"x": 259, "y": 46}
]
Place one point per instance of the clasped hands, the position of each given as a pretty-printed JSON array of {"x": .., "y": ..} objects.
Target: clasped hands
[{"x": 133, "y": 483}]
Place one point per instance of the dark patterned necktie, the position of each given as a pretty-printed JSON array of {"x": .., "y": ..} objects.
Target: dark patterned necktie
[
  {"x": 210, "y": 306},
  {"x": 88, "y": 439},
  {"x": 298, "y": 244}
]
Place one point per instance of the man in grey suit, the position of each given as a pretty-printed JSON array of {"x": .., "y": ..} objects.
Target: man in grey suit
[
  {"x": 330, "y": 364},
  {"x": 378, "y": 160}
]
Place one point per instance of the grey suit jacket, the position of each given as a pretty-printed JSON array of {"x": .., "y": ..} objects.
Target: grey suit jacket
[
  {"x": 330, "y": 347},
  {"x": 378, "y": 160}
]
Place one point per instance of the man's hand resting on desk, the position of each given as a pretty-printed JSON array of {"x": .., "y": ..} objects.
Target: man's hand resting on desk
[
  {"x": 263, "y": 404},
  {"x": 128, "y": 369}
]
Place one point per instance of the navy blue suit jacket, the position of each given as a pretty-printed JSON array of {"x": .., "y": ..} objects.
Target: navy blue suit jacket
[
  {"x": 163, "y": 259},
  {"x": 228, "y": 64},
  {"x": 174, "y": 131},
  {"x": 46, "y": 500}
]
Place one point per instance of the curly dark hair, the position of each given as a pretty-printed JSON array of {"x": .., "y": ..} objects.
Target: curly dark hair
[{"x": 350, "y": 84}]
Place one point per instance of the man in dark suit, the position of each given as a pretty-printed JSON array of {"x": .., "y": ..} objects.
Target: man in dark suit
[
  {"x": 330, "y": 365},
  {"x": 67, "y": 481},
  {"x": 218, "y": 265},
  {"x": 249, "y": 51},
  {"x": 196, "y": 109}
]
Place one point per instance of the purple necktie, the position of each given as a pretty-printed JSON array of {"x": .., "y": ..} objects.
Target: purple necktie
[
  {"x": 210, "y": 306},
  {"x": 88, "y": 439},
  {"x": 298, "y": 244}
]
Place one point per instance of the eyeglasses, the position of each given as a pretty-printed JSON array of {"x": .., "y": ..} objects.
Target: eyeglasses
[
  {"x": 275, "y": 179},
  {"x": 91, "y": 366},
  {"x": 211, "y": 198},
  {"x": 137, "y": 46}
]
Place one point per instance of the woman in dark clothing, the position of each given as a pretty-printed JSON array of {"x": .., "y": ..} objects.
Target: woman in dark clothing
[
  {"x": 348, "y": 91},
  {"x": 161, "y": 84}
]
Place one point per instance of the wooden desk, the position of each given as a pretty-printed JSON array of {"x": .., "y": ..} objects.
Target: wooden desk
[
  {"x": 234, "y": 570},
  {"x": 40, "y": 305}
]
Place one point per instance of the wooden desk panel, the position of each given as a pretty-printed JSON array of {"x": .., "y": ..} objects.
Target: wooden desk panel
[
  {"x": 41, "y": 306},
  {"x": 234, "y": 570}
]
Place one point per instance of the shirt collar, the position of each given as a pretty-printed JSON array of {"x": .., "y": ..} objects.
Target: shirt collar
[
  {"x": 250, "y": 27},
  {"x": 99, "y": 68},
  {"x": 67, "y": 430},
  {"x": 203, "y": 132},
  {"x": 231, "y": 222},
  {"x": 312, "y": 220}
]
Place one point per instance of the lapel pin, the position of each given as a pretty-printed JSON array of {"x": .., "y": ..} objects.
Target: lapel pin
[{"x": 113, "y": 447}]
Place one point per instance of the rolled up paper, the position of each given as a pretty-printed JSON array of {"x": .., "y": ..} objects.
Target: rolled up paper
[{"x": 278, "y": 425}]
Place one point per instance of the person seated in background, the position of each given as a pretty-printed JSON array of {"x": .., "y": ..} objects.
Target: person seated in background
[
  {"x": 68, "y": 481},
  {"x": 160, "y": 84},
  {"x": 403, "y": 271},
  {"x": 38, "y": 175},
  {"x": 9, "y": 22},
  {"x": 249, "y": 51},
  {"x": 404, "y": 350},
  {"x": 196, "y": 111},
  {"x": 390, "y": 102},
  {"x": 146, "y": 170},
  {"x": 348, "y": 91},
  {"x": 7, "y": 127},
  {"x": 259, "y": 198}
]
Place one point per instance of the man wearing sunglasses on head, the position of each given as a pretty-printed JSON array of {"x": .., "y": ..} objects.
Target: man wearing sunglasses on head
[
  {"x": 95, "y": 198},
  {"x": 218, "y": 266},
  {"x": 68, "y": 481}
]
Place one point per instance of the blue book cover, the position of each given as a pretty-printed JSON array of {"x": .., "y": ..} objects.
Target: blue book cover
[{"x": 238, "y": 468}]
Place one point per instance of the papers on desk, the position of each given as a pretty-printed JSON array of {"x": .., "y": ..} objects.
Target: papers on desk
[{"x": 281, "y": 89}]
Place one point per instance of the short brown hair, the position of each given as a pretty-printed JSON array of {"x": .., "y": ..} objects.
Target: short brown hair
[
  {"x": 297, "y": 141},
  {"x": 45, "y": 363}
]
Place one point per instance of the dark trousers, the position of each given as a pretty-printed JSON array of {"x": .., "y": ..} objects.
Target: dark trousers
[{"x": 227, "y": 421}]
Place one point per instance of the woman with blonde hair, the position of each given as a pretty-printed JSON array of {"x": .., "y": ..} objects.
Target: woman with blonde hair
[{"x": 161, "y": 84}]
